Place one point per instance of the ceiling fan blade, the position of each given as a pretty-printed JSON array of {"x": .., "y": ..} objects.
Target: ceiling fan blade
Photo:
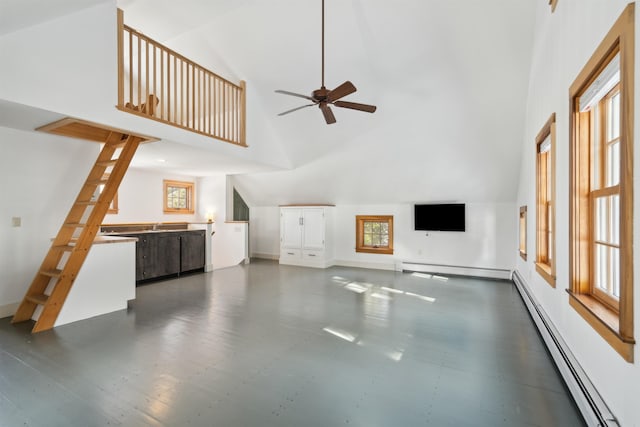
[
  {"x": 355, "y": 106},
  {"x": 296, "y": 109},
  {"x": 328, "y": 114},
  {"x": 344, "y": 89},
  {"x": 285, "y": 92}
]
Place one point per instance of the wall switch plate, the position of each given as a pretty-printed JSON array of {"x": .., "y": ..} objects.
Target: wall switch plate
[{"x": 16, "y": 221}]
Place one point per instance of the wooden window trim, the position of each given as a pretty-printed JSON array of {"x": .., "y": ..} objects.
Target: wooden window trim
[
  {"x": 190, "y": 209},
  {"x": 605, "y": 322},
  {"x": 545, "y": 221},
  {"x": 113, "y": 207},
  {"x": 522, "y": 233},
  {"x": 616, "y": 328},
  {"x": 360, "y": 247}
]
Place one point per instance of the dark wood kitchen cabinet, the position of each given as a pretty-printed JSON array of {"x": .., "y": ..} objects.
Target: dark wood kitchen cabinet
[{"x": 161, "y": 254}]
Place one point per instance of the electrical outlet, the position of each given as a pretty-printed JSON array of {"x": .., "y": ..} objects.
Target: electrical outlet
[{"x": 16, "y": 221}]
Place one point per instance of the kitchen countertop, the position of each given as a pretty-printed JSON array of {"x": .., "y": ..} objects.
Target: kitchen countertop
[{"x": 102, "y": 239}]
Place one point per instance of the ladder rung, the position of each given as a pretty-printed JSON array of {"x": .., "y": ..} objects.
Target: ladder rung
[
  {"x": 87, "y": 202},
  {"x": 107, "y": 163},
  {"x": 97, "y": 181},
  {"x": 74, "y": 224},
  {"x": 40, "y": 299},
  {"x": 64, "y": 247},
  {"x": 51, "y": 273},
  {"x": 117, "y": 144}
]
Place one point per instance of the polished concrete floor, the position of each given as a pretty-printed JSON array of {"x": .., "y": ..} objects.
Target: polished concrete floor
[{"x": 269, "y": 345}]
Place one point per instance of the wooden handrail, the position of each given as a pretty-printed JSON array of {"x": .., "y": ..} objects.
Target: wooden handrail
[{"x": 157, "y": 82}]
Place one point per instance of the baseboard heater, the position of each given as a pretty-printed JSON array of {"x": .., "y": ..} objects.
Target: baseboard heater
[
  {"x": 491, "y": 273},
  {"x": 593, "y": 408}
]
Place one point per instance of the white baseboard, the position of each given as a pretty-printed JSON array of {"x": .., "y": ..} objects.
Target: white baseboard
[
  {"x": 263, "y": 255},
  {"x": 8, "y": 309},
  {"x": 593, "y": 408},
  {"x": 490, "y": 273}
]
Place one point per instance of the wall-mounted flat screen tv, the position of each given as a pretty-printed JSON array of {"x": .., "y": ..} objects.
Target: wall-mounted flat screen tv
[{"x": 440, "y": 217}]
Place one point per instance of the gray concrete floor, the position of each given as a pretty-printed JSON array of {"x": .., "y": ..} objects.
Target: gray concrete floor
[{"x": 269, "y": 345}]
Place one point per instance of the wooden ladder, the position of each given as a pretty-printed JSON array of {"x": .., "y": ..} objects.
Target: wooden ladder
[{"x": 64, "y": 259}]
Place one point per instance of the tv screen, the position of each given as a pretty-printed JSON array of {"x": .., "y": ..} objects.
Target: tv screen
[{"x": 440, "y": 217}]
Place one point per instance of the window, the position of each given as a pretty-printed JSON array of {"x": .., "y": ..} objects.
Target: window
[
  {"x": 522, "y": 245},
  {"x": 374, "y": 234},
  {"x": 545, "y": 201},
  {"x": 601, "y": 190},
  {"x": 113, "y": 206},
  {"x": 178, "y": 197}
]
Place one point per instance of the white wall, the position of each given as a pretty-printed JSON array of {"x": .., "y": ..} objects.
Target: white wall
[
  {"x": 67, "y": 65},
  {"x": 230, "y": 241},
  {"x": 487, "y": 243},
  {"x": 264, "y": 231},
  {"x": 42, "y": 175},
  {"x": 564, "y": 42},
  {"x": 141, "y": 199}
]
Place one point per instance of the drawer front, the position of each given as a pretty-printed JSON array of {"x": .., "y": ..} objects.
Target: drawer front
[
  {"x": 313, "y": 255},
  {"x": 290, "y": 253}
]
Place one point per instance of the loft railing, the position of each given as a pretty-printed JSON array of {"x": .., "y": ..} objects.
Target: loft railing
[{"x": 159, "y": 83}]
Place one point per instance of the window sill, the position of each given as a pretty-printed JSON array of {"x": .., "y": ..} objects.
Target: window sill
[
  {"x": 179, "y": 211},
  {"x": 523, "y": 255},
  {"x": 544, "y": 270},
  {"x": 384, "y": 251},
  {"x": 604, "y": 321}
]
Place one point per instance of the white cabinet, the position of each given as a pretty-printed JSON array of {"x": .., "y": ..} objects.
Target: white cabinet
[{"x": 305, "y": 235}]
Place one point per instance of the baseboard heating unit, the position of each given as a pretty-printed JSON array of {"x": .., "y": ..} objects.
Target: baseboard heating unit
[
  {"x": 489, "y": 273},
  {"x": 591, "y": 405}
]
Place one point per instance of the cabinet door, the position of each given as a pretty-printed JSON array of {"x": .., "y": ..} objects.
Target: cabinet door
[
  {"x": 313, "y": 220},
  {"x": 291, "y": 228},
  {"x": 164, "y": 256},
  {"x": 192, "y": 250}
]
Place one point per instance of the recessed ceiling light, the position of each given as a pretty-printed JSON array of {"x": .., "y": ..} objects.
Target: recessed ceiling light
[{"x": 161, "y": 160}]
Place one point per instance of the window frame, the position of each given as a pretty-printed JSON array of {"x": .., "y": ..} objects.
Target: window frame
[
  {"x": 602, "y": 190},
  {"x": 616, "y": 327},
  {"x": 189, "y": 186},
  {"x": 360, "y": 246},
  {"x": 522, "y": 233},
  {"x": 113, "y": 205},
  {"x": 546, "y": 202}
]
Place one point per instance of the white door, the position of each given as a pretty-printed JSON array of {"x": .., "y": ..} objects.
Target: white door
[
  {"x": 291, "y": 228},
  {"x": 313, "y": 219}
]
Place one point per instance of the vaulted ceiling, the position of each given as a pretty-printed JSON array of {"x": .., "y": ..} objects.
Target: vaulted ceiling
[{"x": 449, "y": 78}]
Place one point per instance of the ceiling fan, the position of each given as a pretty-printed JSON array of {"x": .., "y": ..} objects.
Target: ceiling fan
[{"x": 324, "y": 97}]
